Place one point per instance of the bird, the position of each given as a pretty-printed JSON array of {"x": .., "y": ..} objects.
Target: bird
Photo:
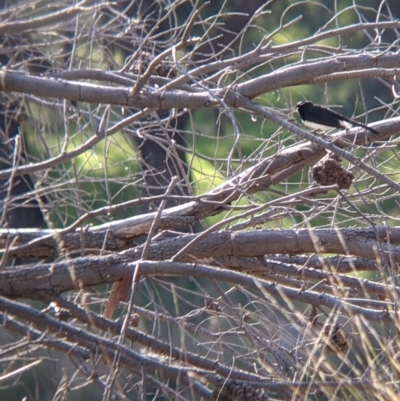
[{"x": 322, "y": 118}]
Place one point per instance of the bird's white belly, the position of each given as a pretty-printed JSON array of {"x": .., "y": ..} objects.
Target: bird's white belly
[{"x": 320, "y": 127}]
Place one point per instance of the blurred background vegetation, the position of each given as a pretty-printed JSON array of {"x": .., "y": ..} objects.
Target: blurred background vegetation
[{"x": 109, "y": 173}]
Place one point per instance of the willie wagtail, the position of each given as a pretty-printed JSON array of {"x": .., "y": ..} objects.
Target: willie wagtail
[{"x": 321, "y": 118}]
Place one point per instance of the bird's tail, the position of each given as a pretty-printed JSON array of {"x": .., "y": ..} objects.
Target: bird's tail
[{"x": 364, "y": 126}]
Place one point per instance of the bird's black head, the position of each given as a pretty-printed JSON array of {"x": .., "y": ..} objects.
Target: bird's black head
[{"x": 303, "y": 106}]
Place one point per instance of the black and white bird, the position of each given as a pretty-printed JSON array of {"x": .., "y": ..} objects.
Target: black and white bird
[{"x": 322, "y": 118}]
